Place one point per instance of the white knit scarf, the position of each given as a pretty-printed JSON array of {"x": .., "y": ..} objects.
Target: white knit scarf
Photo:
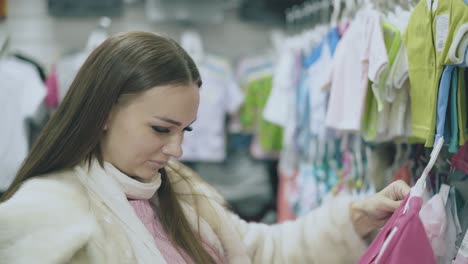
[{"x": 114, "y": 187}]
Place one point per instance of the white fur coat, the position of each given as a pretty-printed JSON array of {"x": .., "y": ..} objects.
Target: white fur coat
[{"x": 54, "y": 219}]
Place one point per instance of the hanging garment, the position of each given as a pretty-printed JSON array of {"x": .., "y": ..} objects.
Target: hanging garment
[
  {"x": 281, "y": 101},
  {"x": 399, "y": 121},
  {"x": 377, "y": 117},
  {"x": 280, "y": 110},
  {"x": 434, "y": 220},
  {"x": 442, "y": 100},
  {"x": 21, "y": 95},
  {"x": 453, "y": 229},
  {"x": 360, "y": 56},
  {"x": 392, "y": 39},
  {"x": 402, "y": 240},
  {"x": 450, "y": 24},
  {"x": 451, "y": 125},
  {"x": 422, "y": 73},
  {"x": 219, "y": 96},
  {"x": 269, "y": 136},
  {"x": 318, "y": 98},
  {"x": 397, "y": 92}
]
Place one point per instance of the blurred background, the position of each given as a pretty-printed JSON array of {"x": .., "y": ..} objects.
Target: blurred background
[{"x": 47, "y": 30}]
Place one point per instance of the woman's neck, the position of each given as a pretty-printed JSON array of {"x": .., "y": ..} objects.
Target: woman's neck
[{"x": 134, "y": 187}]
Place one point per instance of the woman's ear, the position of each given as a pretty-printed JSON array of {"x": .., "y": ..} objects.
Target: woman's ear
[{"x": 109, "y": 119}]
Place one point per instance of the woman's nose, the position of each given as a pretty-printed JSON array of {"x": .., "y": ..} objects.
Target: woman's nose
[{"x": 174, "y": 148}]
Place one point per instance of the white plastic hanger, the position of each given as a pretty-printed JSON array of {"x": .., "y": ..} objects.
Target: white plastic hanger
[{"x": 420, "y": 186}]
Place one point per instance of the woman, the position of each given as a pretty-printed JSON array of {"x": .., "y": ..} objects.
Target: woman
[{"x": 99, "y": 185}]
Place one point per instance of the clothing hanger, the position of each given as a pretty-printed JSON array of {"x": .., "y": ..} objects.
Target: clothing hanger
[
  {"x": 336, "y": 13},
  {"x": 98, "y": 35},
  {"x": 420, "y": 185}
]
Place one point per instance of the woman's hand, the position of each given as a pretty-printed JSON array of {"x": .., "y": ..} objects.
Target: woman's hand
[{"x": 372, "y": 213}]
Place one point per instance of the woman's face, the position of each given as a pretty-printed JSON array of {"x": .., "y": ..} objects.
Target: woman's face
[{"x": 141, "y": 135}]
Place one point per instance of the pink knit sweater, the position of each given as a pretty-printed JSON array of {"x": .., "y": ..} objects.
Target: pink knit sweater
[{"x": 146, "y": 214}]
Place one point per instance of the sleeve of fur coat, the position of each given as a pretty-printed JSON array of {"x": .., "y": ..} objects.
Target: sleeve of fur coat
[
  {"x": 46, "y": 221},
  {"x": 325, "y": 235}
]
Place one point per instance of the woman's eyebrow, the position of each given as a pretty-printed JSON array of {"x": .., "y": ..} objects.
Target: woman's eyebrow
[{"x": 168, "y": 120}]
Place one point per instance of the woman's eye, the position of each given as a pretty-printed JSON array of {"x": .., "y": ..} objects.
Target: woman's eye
[
  {"x": 188, "y": 129},
  {"x": 160, "y": 129}
]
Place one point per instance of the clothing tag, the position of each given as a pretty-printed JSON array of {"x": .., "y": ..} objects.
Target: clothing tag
[
  {"x": 444, "y": 192},
  {"x": 442, "y": 30}
]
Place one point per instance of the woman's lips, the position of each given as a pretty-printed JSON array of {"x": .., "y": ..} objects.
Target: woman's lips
[{"x": 158, "y": 164}]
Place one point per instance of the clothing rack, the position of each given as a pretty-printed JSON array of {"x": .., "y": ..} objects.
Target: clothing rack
[{"x": 359, "y": 155}]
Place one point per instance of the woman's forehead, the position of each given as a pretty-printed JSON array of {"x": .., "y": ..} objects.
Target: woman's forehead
[{"x": 174, "y": 102}]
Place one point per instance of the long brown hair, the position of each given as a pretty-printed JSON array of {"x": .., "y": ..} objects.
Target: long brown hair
[{"x": 125, "y": 64}]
